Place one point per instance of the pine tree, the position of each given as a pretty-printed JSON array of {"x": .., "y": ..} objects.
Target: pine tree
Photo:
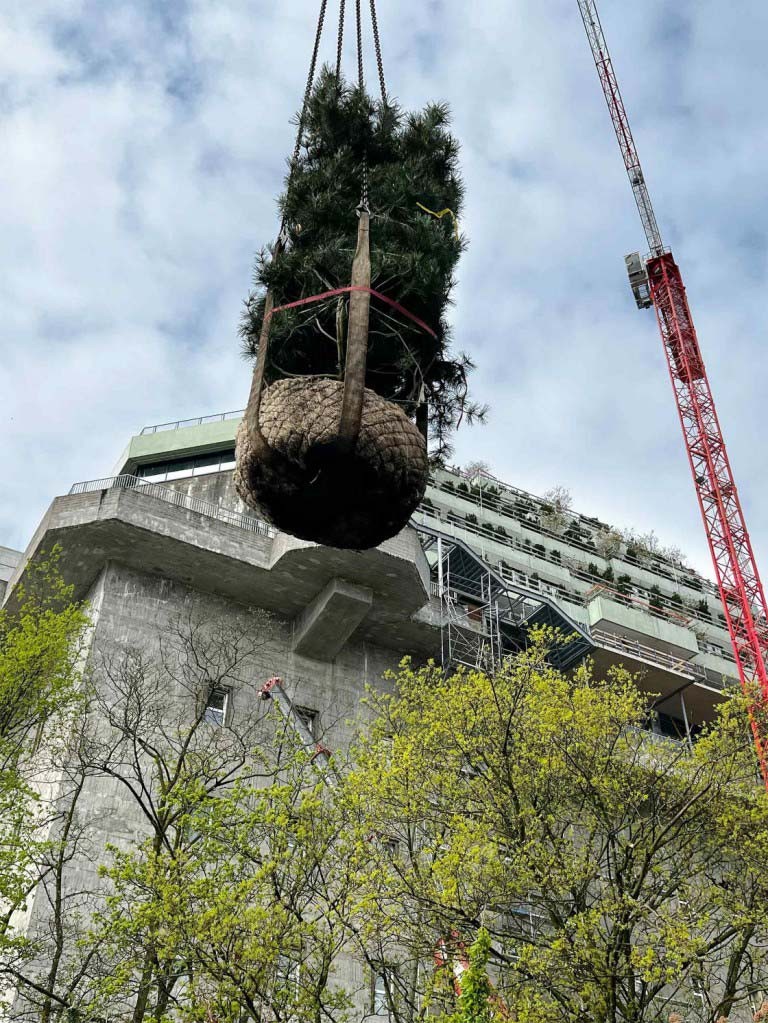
[{"x": 412, "y": 159}]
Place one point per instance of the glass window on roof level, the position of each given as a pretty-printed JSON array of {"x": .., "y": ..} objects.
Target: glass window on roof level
[
  {"x": 152, "y": 473},
  {"x": 183, "y": 467},
  {"x": 207, "y": 463}
]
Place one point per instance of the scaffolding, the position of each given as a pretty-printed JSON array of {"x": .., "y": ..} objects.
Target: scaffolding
[{"x": 484, "y": 618}]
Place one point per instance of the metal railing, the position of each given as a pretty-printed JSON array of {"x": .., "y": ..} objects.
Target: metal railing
[
  {"x": 657, "y": 737},
  {"x": 451, "y": 527},
  {"x": 621, "y": 644},
  {"x": 177, "y": 498},
  {"x": 220, "y": 417},
  {"x": 677, "y": 573},
  {"x": 562, "y": 593},
  {"x": 489, "y": 532}
]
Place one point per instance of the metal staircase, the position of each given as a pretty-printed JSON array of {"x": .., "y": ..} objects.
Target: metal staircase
[{"x": 486, "y": 618}]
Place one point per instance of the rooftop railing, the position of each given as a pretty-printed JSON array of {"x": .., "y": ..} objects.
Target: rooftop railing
[
  {"x": 491, "y": 532},
  {"x": 697, "y": 672},
  {"x": 527, "y": 509},
  {"x": 177, "y": 498},
  {"x": 561, "y": 594},
  {"x": 220, "y": 417},
  {"x": 647, "y": 653}
]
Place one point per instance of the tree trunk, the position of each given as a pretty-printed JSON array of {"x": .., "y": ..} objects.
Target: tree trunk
[{"x": 357, "y": 338}]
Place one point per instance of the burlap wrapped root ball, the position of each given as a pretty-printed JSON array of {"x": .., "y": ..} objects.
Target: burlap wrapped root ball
[{"x": 310, "y": 488}]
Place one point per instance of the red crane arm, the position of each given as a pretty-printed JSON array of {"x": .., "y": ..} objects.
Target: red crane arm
[
  {"x": 621, "y": 126},
  {"x": 738, "y": 579}
]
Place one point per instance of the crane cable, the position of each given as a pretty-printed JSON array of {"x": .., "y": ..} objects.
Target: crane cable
[
  {"x": 363, "y": 207},
  {"x": 377, "y": 46},
  {"x": 282, "y": 235},
  {"x": 340, "y": 37},
  {"x": 364, "y": 204}
]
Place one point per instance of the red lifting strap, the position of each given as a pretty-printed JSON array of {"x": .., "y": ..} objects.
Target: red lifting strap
[{"x": 353, "y": 287}]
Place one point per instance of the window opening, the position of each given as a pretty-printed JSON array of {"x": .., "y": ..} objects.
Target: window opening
[
  {"x": 380, "y": 1000},
  {"x": 200, "y": 465},
  {"x": 308, "y": 718},
  {"x": 216, "y": 706}
]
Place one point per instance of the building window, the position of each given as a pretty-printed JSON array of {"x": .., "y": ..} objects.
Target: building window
[
  {"x": 308, "y": 718},
  {"x": 380, "y": 999},
  {"x": 204, "y": 464},
  {"x": 216, "y": 706},
  {"x": 179, "y": 469},
  {"x": 287, "y": 974},
  {"x": 200, "y": 465}
]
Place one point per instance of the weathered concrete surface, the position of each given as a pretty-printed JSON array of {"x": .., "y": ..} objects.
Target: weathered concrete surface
[
  {"x": 329, "y": 622},
  {"x": 326, "y": 624},
  {"x": 9, "y": 560},
  {"x": 278, "y": 572},
  {"x": 136, "y": 606}
]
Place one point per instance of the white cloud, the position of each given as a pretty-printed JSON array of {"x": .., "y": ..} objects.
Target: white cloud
[{"x": 143, "y": 149}]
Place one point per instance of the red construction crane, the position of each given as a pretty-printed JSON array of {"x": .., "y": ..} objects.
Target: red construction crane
[{"x": 656, "y": 280}]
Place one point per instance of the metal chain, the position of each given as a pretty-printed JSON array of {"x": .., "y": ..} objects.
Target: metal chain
[
  {"x": 377, "y": 43},
  {"x": 340, "y": 40},
  {"x": 359, "y": 25},
  {"x": 361, "y": 84},
  {"x": 305, "y": 104}
]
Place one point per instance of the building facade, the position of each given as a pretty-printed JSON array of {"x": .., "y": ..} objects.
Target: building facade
[
  {"x": 481, "y": 564},
  {"x": 633, "y": 606}
]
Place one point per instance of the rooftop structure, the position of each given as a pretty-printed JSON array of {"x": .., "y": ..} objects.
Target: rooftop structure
[{"x": 9, "y": 559}]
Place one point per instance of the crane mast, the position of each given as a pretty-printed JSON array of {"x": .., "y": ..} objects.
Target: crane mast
[{"x": 656, "y": 280}]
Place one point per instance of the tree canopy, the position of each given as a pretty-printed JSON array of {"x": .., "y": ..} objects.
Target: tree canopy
[
  {"x": 512, "y": 845},
  {"x": 619, "y": 878},
  {"x": 41, "y": 638},
  {"x": 412, "y": 164}
]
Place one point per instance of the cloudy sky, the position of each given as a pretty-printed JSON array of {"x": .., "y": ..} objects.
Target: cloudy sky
[{"x": 143, "y": 143}]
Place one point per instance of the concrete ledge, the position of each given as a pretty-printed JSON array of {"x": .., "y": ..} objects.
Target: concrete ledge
[
  {"x": 279, "y": 573},
  {"x": 322, "y": 629},
  {"x": 665, "y": 635}
]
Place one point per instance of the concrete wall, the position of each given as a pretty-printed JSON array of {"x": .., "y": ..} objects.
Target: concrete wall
[
  {"x": 137, "y": 610},
  {"x": 9, "y": 559}
]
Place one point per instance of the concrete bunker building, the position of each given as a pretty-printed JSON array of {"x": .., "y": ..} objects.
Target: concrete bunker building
[{"x": 479, "y": 565}]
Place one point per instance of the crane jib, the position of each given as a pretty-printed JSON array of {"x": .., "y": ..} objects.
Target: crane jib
[{"x": 657, "y": 281}]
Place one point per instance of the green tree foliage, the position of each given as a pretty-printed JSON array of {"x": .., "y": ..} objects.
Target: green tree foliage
[
  {"x": 477, "y": 1001},
  {"x": 40, "y": 643},
  {"x": 618, "y": 878},
  {"x": 41, "y": 638},
  {"x": 412, "y": 158},
  {"x": 216, "y": 876},
  {"x": 518, "y": 831}
]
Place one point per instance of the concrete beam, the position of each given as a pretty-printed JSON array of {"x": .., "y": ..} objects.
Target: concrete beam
[
  {"x": 325, "y": 625},
  {"x": 281, "y": 573}
]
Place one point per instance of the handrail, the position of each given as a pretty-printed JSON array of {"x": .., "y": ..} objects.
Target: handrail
[
  {"x": 490, "y": 532},
  {"x": 638, "y": 649},
  {"x": 450, "y": 526},
  {"x": 682, "y": 573},
  {"x": 697, "y": 672},
  {"x": 558, "y": 589},
  {"x": 177, "y": 498},
  {"x": 504, "y": 585},
  {"x": 220, "y": 417},
  {"x": 630, "y": 600}
]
